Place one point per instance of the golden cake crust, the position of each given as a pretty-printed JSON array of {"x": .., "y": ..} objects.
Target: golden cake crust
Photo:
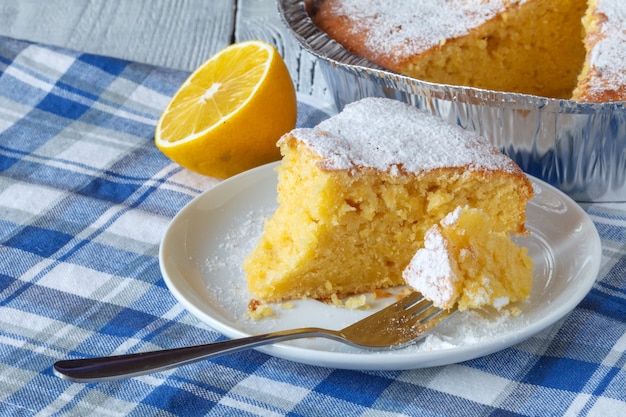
[
  {"x": 405, "y": 141},
  {"x": 386, "y": 32}
]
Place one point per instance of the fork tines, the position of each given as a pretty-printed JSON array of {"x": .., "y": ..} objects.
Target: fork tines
[{"x": 423, "y": 312}]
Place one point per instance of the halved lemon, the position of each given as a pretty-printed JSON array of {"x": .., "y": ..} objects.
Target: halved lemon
[{"x": 228, "y": 115}]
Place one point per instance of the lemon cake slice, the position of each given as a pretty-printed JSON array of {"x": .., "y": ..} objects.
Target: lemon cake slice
[
  {"x": 463, "y": 261},
  {"x": 357, "y": 193}
]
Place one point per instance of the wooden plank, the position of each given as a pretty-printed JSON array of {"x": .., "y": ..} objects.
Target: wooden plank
[
  {"x": 178, "y": 34},
  {"x": 172, "y": 33}
]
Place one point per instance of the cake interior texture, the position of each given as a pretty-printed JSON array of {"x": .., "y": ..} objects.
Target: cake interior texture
[
  {"x": 532, "y": 48},
  {"x": 465, "y": 262}
]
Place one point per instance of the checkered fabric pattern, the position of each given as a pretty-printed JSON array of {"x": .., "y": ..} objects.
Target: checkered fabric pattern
[{"x": 84, "y": 200}]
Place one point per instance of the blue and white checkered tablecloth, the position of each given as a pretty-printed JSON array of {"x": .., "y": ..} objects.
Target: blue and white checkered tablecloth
[{"x": 84, "y": 200}]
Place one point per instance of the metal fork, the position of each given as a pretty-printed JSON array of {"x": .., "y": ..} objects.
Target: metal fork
[{"x": 395, "y": 326}]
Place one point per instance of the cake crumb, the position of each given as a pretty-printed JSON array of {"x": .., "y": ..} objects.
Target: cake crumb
[
  {"x": 287, "y": 306},
  {"x": 515, "y": 311},
  {"x": 379, "y": 293},
  {"x": 259, "y": 311},
  {"x": 357, "y": 302},
  {"x": 335, "y": 300}
]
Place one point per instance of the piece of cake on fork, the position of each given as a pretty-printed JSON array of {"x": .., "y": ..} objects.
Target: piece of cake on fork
[{"x": 465, "y": 263}]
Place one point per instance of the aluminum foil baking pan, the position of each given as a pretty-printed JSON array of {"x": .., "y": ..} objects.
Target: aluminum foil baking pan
[{"x": 578, "y": 147}]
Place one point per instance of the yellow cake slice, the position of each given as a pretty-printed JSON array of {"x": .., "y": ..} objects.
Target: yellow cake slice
[
  {"x": 358, "y": 192},
  {"x": 463, "y": 261}
]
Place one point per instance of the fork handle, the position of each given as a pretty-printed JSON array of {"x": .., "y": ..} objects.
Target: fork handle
[{"x": 110, "y": 368}]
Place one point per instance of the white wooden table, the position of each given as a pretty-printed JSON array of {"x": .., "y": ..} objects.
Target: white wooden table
[{"x": 171, "y": 33}]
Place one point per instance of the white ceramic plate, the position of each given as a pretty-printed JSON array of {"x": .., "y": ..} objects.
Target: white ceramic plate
[{"x": 203, "y": 248}]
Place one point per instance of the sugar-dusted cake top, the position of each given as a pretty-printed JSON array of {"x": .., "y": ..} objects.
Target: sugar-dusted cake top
[
  {"x": 403, "y": 28},
  {"x": 392, "y": 136}
]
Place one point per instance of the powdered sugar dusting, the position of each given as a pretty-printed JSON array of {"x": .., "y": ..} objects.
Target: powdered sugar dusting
[
  {"x": 406, "y": 27},
  {"x": 392, "y": 137},
  {"x": 608, "y": 56},
  {"x": 232, "y": 248},
  {"x": 451, "y": 218},
  {"x": 431, "y": 272}
]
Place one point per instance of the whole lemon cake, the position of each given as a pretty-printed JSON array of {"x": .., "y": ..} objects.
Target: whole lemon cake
[
  {"x": 357, "y": 193},
  {"x": 464, "y": 262},
  {"x": 522, "y": 46}
]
